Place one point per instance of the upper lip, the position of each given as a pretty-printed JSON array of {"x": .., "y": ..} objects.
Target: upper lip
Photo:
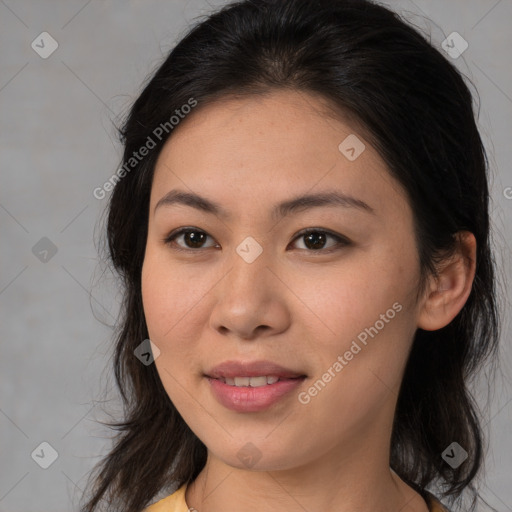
[{"x": 234, "y": 369}]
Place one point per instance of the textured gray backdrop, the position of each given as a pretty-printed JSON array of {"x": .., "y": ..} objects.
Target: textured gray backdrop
[{"x": 58, "y": 144}]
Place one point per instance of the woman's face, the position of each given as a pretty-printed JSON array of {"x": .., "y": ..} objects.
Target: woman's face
[{"x": 246, "y": 296}]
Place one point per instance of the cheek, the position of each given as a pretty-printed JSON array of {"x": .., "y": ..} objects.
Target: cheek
[
  {"x": 358, "y": 291},
  {"x": 173, "y": 303},
  {"x": 157, "y": 299},
  {"x": 163, "y": 308},
  {"x": 364, "y": 314},
  {"x": 359, "y": 360},
  {"x": 169, "y": 297}
]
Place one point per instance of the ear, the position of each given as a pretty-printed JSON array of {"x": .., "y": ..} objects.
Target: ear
[{"x": 447, "y": 294}]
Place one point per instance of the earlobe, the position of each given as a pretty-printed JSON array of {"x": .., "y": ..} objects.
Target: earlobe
[{"x": 447, "y": 294}]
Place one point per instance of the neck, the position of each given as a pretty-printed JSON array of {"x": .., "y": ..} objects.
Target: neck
[{"x": 353, "y": 482}]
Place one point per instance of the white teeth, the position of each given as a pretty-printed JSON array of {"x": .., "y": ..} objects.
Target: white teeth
[
  {"x": 256, "y": 382},
  {"x": 253, "y": 382}
]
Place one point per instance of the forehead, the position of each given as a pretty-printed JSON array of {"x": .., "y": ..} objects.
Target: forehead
[
  {"x": 287, "y": 123},
  {"x": 285, "y": 141}
]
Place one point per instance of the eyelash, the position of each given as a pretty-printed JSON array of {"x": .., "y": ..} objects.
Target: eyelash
[{"x": 341, "y": 241}]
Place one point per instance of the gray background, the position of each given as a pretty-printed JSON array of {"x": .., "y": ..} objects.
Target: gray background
[{"x": 58, "y": 144}]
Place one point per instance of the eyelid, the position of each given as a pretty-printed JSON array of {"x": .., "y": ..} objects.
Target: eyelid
[
  {"x": 342, "y": 241},
  {"x": 180, "y": 231}
]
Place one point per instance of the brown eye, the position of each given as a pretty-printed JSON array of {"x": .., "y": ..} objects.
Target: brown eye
[
  {"x": 316, "y": 239},
  {"x": 192, "y": 238}
]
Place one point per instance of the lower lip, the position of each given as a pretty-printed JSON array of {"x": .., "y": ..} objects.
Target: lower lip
[{"x": 248, "y": 399}]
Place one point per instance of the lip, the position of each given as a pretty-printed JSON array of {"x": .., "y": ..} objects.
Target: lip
[
  {"x": 251, "y": 369},
  {"x": 246, "y": 398}
]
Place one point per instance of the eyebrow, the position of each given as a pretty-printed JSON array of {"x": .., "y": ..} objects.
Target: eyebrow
[{"x": 296, "y": 204}]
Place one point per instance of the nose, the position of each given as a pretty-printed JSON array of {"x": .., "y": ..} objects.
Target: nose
[{"x": 251, "y": 301}]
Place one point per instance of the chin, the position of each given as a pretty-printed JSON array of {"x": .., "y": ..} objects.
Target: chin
[{"x": 258, "y": 457}]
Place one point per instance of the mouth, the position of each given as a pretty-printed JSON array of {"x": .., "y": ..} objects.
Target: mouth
[
  {"x": 253, "y": 382},
  {"x": 252, "y": 386},
  {"x": 252, "y": 370}
]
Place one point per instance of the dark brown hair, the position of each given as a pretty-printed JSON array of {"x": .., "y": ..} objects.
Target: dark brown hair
[{"x": 418, "y": 113}]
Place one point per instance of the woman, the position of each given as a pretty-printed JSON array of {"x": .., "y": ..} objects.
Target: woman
[{"x": 301, "y": 223}]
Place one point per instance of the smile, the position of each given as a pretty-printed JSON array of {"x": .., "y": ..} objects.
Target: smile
[
  {"x": 253, "y": 382},
  {"x": 253, "y": 394}
]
